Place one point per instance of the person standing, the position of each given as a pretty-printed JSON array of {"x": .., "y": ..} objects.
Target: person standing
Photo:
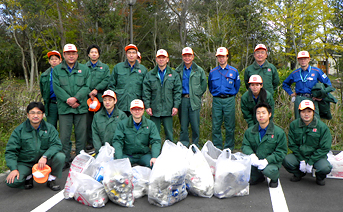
[
  {"x": 267, "y": 146},
  {"x": 194, "y": 85},
  {"x": 71, "y": 82},
  {"x": 34, "y": 141},
  {"x": 127, "y": 79},
  {"x": 47, "y": 90},
  {"x": 262, "y": 67},
  {"x": 106, "y": 120},
  {"x": 304, "y": 78},
  {"x": 162, "y": 94},
  {"x": 99, "y": 74},
  {"x": 223, "y": 83},
  {"x": 310, "y": 140},
  {"x": 254, "y": 95}
]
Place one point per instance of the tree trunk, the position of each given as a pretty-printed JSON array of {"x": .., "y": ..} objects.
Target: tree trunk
[
  {"x": 61, "y": 29},
  {"x": 22, "y": 59},
  {"x": 32, "y": 73}
]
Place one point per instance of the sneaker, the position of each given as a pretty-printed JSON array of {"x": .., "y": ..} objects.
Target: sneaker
[
  {"x": 29, "y": 183},
  {"x": 53, "y": 186},
  {"x": 273, "y": 184},
  {"x": 260, "y": 180},
  {"x": 320, "y": 182}
]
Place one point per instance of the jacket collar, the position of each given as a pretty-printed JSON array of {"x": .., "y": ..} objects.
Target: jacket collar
[
  {"x": 99, "y": 63},
  {"x": 144, "y": 122},
  {"x": 65, "y": 66},
  {"x": 29, "y": 128},
  {"x": 257, "y": 66},
  {"x": 126, "y": 64},
  {"x": 313, "y": 123},
  {"x": 115, "y": 113},
  {"x": 270, "y": 129}
]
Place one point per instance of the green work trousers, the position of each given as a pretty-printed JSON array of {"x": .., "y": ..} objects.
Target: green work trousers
[
  {"x": 66, "y": 126},
  {"x": 271, "y": 171},
  {"x": 292, "y": 164},
  {"x": 223, "y": 109},
  {"x": 167, "y": 122},
  {"x": 56, "y": 164},
  {"x": 140, "y": 159},
  {"x": 90, "y": 116},
  {"x": 52, "y": 118},
  {"x": 297, "y": 101},
  {"x": 188, "y": 116}
]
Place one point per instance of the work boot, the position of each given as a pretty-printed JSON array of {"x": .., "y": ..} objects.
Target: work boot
[
  {"x": 259, "y": 180},
  {"x": 29, "y": 183},
  {"x": 320, "y": 182},
  {"x": 53, "y": 186},
  {"x": 273, "y": 184},
  {"x": 66, "y": 166},
  {"x": 297, "y": 178}
]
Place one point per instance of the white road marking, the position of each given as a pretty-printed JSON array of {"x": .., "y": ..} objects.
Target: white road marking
[
  {"x": 278, "y": 198},
  {"x": 47, "y": 205}
]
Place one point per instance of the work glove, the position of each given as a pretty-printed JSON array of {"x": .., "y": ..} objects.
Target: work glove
[
  {"x": 302, "y": 166},
  {"x": 262, "y": 164},
  {"x": 254, "y": 160},
  {"x": 309, "y": 168}
]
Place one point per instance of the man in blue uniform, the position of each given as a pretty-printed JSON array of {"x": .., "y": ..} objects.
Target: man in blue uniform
[
  {"x": 304, "y": 78},
  {"x": 223, "y": 83}
]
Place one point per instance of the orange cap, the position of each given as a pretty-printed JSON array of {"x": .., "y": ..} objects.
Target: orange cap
[
  {"x": 94, "y": 105},
  {"x": 137, "y": 103},
  {"x": 187, "y": 50},
  {"x": 109, "y": 93},
  {"x": 41, "y": 175},
  {"x": 54, "y": 52},
  {"x": 162, "y": 52},
  {"x": 260, "y": 46},
  {"x": 306, "y": 104},
  {"x": 131, "y": 46}
]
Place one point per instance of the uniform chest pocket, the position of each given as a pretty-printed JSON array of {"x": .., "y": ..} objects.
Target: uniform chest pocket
[
  {"x": 169, "y": 83},
  {"x": 79, "y": 80},
  {"x": 44, "y": 79},
  {"x": 44, "y": 141},
  {"x": 154, "y": 83},
  {"x": 27, "y": 142},
  {"x": 313, "y": 139},
  {"x": 64, "y": 80}
]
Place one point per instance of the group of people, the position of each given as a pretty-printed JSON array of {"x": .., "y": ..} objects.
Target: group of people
[{"x": 130, "y": 90}]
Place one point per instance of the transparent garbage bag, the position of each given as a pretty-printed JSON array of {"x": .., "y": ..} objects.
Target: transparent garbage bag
[
  {"x": 232, "y": 174},
  {"x": 199, "y": 179},
  {"x": 140, "y": 181},
  {"x": 167, "y": 180},
  {"x": 118, "y": 182},
  {"x": 211, "y": 154}
]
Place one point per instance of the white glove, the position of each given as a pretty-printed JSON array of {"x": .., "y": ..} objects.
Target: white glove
[
  {"x": 254, "y": 160},
  {"x": 309, "y": 168},
  {"x": 93, "y": 104},
  {"x": 263, "y": 164},
  {"x": 302, "y": 166}
]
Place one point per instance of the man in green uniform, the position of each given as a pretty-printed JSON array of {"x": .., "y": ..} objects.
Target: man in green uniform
[
  {"x": 254, "y": 95},
  {"x": 99, "y": 74},
  {"x": 127, "y": 79},
  {"x": 194, "y": 85},
  {"x": 267, "y": 146},
  {"x": 135, "y": 136},
  {"x": 162, "y": 94},
  {"x": 71, "y": 85},
  {"x": 310, "y": 140},
  {"x": 34, "y": 141},
  {"x": 262, "y": 67},
  {"x": 106, "y": 120},
  {"x": 47, "y": 90}
]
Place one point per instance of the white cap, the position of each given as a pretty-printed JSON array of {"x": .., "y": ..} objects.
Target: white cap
[
  {"x": 187, "y": 50},
  {"x": 303, "y": 54},
  {"x": 222, "y": 51},
  {"x": 109, "y": 93},
  {"x": 139, "y": 55},
  {"x": 69, "y": 48},
  {"x": 306, "y": 104},
  {"x": 255, "y": 79},
  {"x": 162, "y": 52},
  {"x": 260, "y": 46},
  {"x": 137, "y": 103}
]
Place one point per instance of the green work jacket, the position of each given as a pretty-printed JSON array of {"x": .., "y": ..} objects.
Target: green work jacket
[
  {"x": 268, "y": 72},
  {"x": 272, "y": 147},
  {"x": 44, "y": 85},
  {"x": 27, "y": 145},
  {"x": 162, "y": 99},
  {"x": 248, "y": 104},
  {"x": 130, "y": 141},
  {"x": 100, "y": 77},
  {"x": 127, "y": 84},
  {"x": 74, "y": 84},
  {"x": 197, "y": 84},
  {"x": 310, "y": 143},
  {"x": 103, "y": 127}
]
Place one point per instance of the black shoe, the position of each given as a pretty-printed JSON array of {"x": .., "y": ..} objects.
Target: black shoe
[
  {"x": 89, "y": 147},
  {"x": 273, "y": 184},
  {"x": 297, "y": 178},
  {"x": 320, "y": 182},
  {"x": 53, "y": 186},
  {"x": 29, "y": 183},
  {"x": 259, "y": 180},
  {"x": 66, "y": 166}
]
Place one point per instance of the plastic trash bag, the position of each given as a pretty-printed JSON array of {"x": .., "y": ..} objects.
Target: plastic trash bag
[
  {"x": 232, "y": 175},
  {"x": 337, "y": 165},
  {"x": 211, "y": 154},
  {"x": 199, "y": 178},
  {"x": 140, "y": 181},
  {"x": 167, "y": 180},
  {"x": 89, "y": 191},
  {"x": 96, "y": 168},
  {"x": 118, "y": 182}
]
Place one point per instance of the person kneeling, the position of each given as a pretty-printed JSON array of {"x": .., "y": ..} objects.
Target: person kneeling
[
  {"x": 267, "y": 146},
  {"x": 34, "y": 141},
  {"x": 134, "y": 136}
]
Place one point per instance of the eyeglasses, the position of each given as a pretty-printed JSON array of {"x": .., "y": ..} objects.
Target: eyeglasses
[{"x": 38, "y": 113}]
